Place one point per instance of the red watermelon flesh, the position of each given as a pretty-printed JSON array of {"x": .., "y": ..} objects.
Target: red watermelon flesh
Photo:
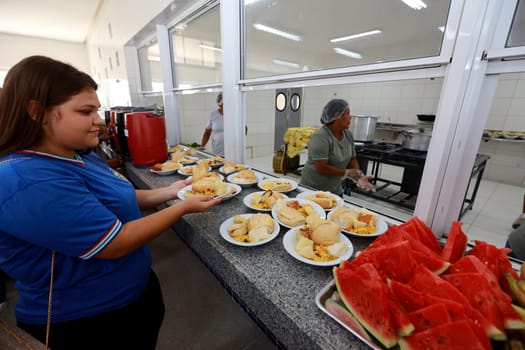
[
  {"x": 427, "y": 257},
  {"x": 496, "y": 260},
  {"x": 425, "y": 234},
  {"x": 480, "y": 325},
  {"x": 407, "y": 297},
  {"x": 471, "y": 263},
  {"x": 455, "y": 335},
  {"x": 395, "y": 261},
  {"x": 401, "y": 321},
  {"x": 481, "y": 296},
  {"x": 366, "y": 296},
  {"x": 394, "y": 234},
  {"x": 456, "y": 243},
  {"x": 428, "y": 317}
]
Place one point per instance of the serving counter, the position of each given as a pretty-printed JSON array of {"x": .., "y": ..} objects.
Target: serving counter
[{"x": 275, "y": 289}]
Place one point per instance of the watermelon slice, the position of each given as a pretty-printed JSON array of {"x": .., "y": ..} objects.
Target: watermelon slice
[
  {"x": 407, "y": 297},
  {"x": 456, "y": 243},
  {"x": 366, "y": 296},
  {"x": 395, "y": 261},
  {"x": 416, "y": 226},
  {"x": 455, "y": 335},
  {"x": 429, "y": 316},
  {"x": 401, "y": 321},
  {"x": 478, "y": 291}
]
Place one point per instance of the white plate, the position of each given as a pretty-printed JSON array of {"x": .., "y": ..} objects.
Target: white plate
[
  {"x": 262, "y": 183},
  {"x": 289, "y": 242},
  {"x": 381, "y": 226},
  {"x": 339, "y": 201},
  {"x": 188, "y": 160},
  {"x": 224, "y": 233},
  {"x": 232, "y": 178},
  {"x": 164, "y": 172},
  {"x": 247, "y": 200},
  {"x": 320, "y": 211},
  {"x": 231, "y": 187},
  {"x": 221, "y": 169}
]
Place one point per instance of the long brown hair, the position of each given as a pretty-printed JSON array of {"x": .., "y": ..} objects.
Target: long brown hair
[{"x": 45, "y": 81}]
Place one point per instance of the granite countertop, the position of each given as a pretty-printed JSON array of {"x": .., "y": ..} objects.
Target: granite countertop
[{"x": 277, "y": 290}]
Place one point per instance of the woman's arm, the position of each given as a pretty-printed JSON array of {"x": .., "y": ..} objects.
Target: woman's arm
[
  {"x": 326, "y": 169},
  {"x": 205, "y": 137},
  {"x": 148, "y": 199},
  {"x": 136, "y": 233}
]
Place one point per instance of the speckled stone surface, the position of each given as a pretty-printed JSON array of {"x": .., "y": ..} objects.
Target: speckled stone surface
[{"x": 278, "y": 290}]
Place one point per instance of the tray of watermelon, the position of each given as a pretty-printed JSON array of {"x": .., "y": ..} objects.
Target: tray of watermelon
[{"x": 406, "y": 290}]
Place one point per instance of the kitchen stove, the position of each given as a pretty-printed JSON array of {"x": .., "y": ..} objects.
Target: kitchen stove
[{"x": 404, "y": 193}]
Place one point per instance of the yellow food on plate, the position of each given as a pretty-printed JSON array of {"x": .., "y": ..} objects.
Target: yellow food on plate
[
  {"x": 277, "y": 185},
  {"x": 166, "y": 166},
  {"x": 245, "y": 176},
  {"x": 318, "y": 240},
  {"x": 208, "y": 186},
  {"x": 325, "y": 199},
  {"x": 256, "y": 228},
  {"x": 293, "y": 213},
  {"x": 359, "y": 221},
  {"x": 230, "y": 167},
  {"x": 266, "y": 200}
]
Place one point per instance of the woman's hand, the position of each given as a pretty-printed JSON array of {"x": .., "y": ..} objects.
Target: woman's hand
[
  {"x": 364, "y": 183},
  {"x": 197, "y": 204},
  {"x": 175, "y": 187}
]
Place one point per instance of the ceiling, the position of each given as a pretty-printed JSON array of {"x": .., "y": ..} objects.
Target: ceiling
[{"x": 50, "y": 19}]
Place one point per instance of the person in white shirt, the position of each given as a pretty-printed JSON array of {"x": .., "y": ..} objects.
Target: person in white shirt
[{"x": 215, "y": 128}]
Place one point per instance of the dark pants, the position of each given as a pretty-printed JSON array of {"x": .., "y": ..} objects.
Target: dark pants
[{"x": 135, "y": 326}]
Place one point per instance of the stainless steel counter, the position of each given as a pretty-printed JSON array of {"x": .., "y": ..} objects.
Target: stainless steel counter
[{"x": 275, "y": 289}]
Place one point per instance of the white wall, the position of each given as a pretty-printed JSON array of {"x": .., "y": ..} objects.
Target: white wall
[{"x": 17, "y": 47}]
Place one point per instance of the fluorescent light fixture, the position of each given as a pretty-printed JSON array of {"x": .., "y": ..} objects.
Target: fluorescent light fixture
[
  {"x": 286, "y": 63},
  {"x": 348, "y": 53},
  {"x": 415, "y": 4},
  {"x": 211, "y": 48},
  {"x": 248, "y": 2},
  {"x": 355, "y": 36},
  {"x": 154, "y": 58},
  {"x": 442, "y": 29},
  {"x": 278, "y": 32}
]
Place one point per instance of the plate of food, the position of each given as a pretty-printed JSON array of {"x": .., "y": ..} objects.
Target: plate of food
[
  {"x": 166, "y": 168},
  {"x": 210, "y": 187},
  {"x": 250, "y": 230},
  {"x": 336, "y": 247},
  {"x": 278, "y": 185},
  {"x": 231, "y": 167},
  {"x": 263, "y": 200},
  {"x": 358, "y": 222},
  {"x": 187, "y": 160},
  {"x": 245, "y": 178},
  {"x": 295, "y": 211},
  {"x": 327, "y": 200},
  {"x": 215, "y": 162}
]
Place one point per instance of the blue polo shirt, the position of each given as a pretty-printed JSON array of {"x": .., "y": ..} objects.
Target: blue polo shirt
[{"x": 74, "y": 207}]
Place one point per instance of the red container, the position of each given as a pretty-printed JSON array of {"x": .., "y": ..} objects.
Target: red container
[{"x": 146, "y": 133}]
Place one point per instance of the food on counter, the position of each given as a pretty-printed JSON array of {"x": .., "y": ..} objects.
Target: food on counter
[
  {"x": 360, "y": 221},
  {"x": 201, "y": 170},
  {"x": 293, "y": 213},
  {"x": 208, "y": 186},
  {"x": 230, "y": 167},
  {"x": 265, "y": 200},
  {"x": 277, "y": 185},
  {"x": 245, "y": 176},
  {"x": 216, "y": 161},
  {"x": 324, "y": 198},
  {"x": 187, "y": 170},
  {"x": 256, "y": 228},
  {"x": 318, "y": 240},
  {"x": 166, "y": 166}
]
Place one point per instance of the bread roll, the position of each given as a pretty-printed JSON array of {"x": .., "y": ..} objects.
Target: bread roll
[
  {"x": 259, "y": 234},
  {"x": 290, "y": 216},
  {"x": 261, "y": 220},
  {"x": 325, "y": 232},
  {"x": 245, "y": 176},
  {"x": 325, "y": 203}
]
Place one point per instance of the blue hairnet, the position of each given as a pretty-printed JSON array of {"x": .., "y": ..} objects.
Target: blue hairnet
[{"x": 333, "y": 110}]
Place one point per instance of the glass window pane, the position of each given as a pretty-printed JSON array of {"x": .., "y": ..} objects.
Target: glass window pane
[
  {"x": 197, "y": 53},
  {"x": 150, "y": 72},
  {"x": 517, "y": 29},
  {"x": 295, "y": 35}
]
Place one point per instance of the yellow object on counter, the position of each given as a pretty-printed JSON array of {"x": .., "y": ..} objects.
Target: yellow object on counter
[{"x": 297, "y": 138}]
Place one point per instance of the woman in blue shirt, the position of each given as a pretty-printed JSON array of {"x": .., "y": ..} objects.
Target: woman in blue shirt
[{"x": 72, "y": 235}]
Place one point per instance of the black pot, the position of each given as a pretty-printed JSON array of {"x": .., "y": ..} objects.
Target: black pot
[{"x": 426, "y": 117}]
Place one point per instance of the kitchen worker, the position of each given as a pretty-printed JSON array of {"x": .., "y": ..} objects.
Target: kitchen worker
[
  {"x": 215, "y": 128},
  {"x": 516, "y": 242},
  {"x": 72, "y": 234},
  {"x": 331, "y": 152}
]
